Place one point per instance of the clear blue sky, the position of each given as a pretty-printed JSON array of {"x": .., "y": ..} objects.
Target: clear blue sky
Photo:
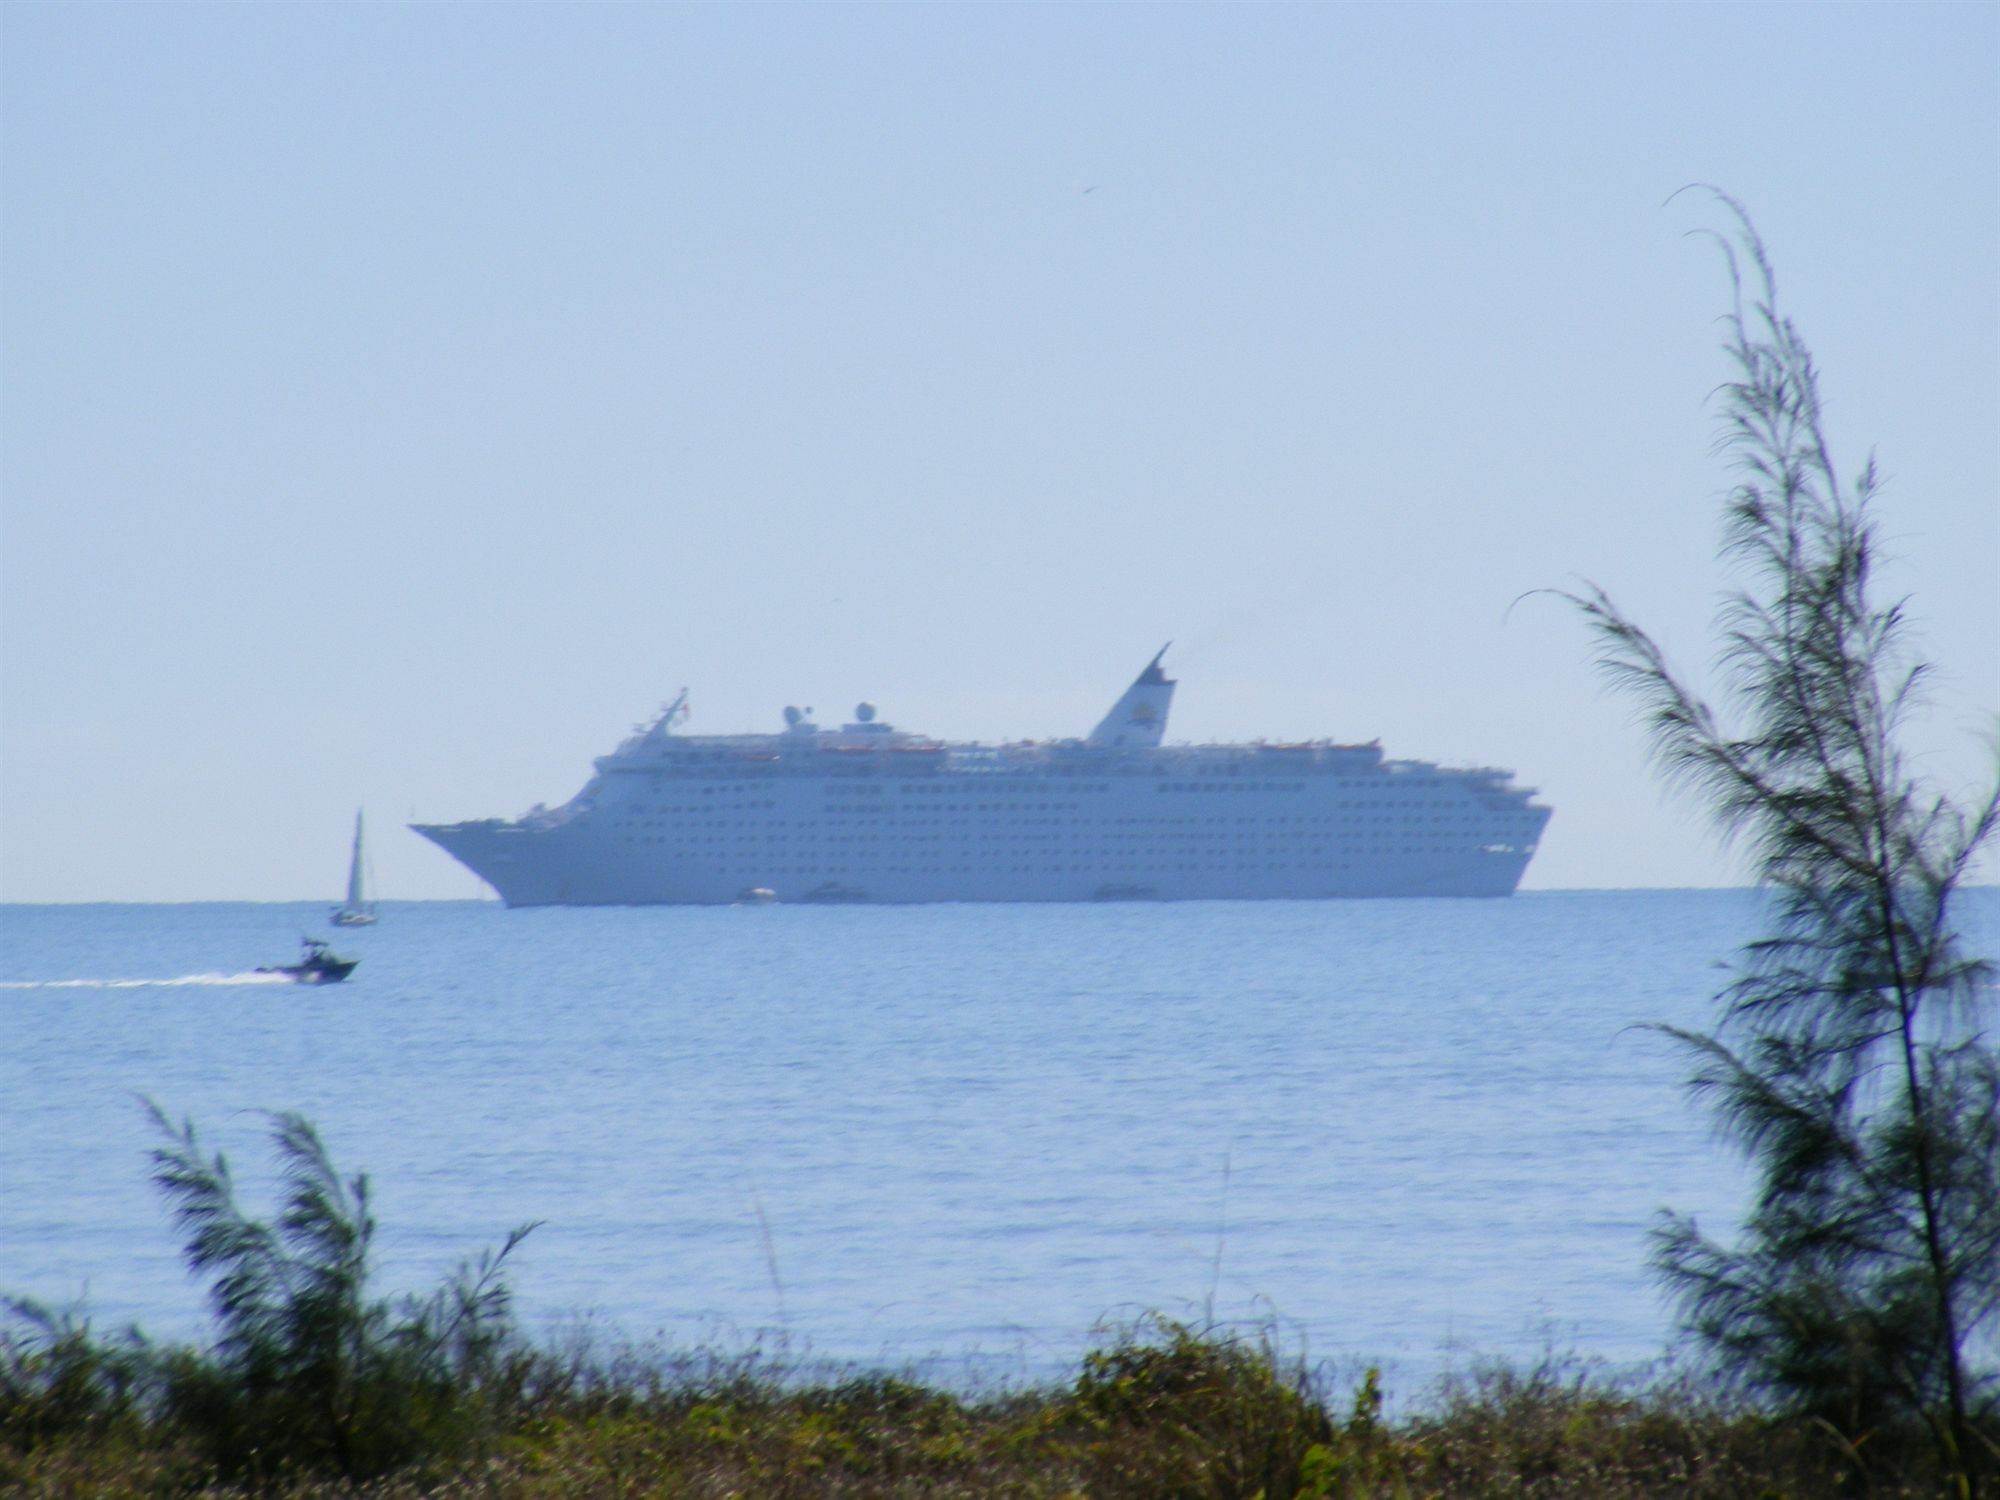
[{"x": 401, "y": 400}]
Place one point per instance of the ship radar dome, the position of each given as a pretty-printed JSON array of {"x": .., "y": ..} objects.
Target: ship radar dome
[
  {"x": 865, "y": 712},
  {"x": 792, "y": 715}
]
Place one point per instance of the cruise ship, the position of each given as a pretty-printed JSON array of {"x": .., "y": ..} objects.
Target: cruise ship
[{"x": 870, "y": 813}]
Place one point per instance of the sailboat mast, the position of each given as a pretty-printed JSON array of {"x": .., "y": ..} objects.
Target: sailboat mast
[{"x": 354, "y": 900}]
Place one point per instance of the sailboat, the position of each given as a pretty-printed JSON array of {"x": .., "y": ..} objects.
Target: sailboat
[{"x": 357, "y": 910}]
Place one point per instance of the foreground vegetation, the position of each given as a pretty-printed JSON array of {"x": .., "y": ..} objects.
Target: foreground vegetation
[
  {"x": 1164, "y": 1411},
  {"x": 1854, "y": 1064},
  {"x": 314, "y": 1385}
]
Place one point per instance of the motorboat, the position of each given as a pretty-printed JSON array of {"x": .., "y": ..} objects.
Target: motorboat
[{"x": 318, "y": 964}]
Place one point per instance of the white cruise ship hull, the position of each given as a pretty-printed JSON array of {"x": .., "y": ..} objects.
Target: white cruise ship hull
[
  {"x": 867, "y": 813},
  {"x": 671, "y": 840}
]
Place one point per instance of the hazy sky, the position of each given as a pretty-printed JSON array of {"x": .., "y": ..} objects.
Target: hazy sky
[{"x": 400, "y": 401}]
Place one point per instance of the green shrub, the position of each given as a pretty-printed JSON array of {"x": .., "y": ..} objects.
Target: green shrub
[
  {"x": 311, "y": 1372},
  {"x": 58, "y": 1378},
  {"x": 1175, "y": 1412}
]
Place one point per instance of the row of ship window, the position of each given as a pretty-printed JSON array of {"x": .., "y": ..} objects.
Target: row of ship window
[
  {"x": 1247, "y": 842},
  {"x": 884, "y": 809},
  {"x": 1057, "y": 867},
  {"x": 861, "y": 777},
  {"x": 1234, "y": 786},
  {"x": 954, "y": 789},
  {"x": 1433, "y": 820},
  {"x": 1016, "y": 795}
]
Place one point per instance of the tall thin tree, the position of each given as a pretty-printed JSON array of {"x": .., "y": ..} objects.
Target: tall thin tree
[{"x": 1850, "y": 1063}]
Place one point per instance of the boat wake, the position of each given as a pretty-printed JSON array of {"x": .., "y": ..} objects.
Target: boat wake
[{"x": 183, "y": 982}]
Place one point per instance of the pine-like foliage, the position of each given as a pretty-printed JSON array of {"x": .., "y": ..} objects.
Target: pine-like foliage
[
  {"x": 310, "y": 1370},
  {"x": 1850, "y": 1063}
]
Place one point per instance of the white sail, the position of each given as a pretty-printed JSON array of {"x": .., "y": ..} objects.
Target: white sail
[{"x": 357, "y": 910}]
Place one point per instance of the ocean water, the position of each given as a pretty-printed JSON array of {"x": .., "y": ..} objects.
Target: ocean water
[{"x": 954, "y": 1139}]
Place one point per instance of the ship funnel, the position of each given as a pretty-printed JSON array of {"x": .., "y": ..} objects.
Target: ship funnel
[{"x": 1139, "y": 719}]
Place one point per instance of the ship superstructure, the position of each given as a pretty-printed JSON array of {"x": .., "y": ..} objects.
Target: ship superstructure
[{"x": 867, "y": 812}]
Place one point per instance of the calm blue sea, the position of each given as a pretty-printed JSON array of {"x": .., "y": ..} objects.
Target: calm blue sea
[{"x": 953, "y": 1138}]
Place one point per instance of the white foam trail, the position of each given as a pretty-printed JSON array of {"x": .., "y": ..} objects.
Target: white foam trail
[{"x": 142, "y": 984}]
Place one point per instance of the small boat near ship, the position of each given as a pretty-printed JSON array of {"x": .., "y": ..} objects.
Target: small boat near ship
[
  {"x": 318, "y": 964},
  {"x": 357, "y": 910}
]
